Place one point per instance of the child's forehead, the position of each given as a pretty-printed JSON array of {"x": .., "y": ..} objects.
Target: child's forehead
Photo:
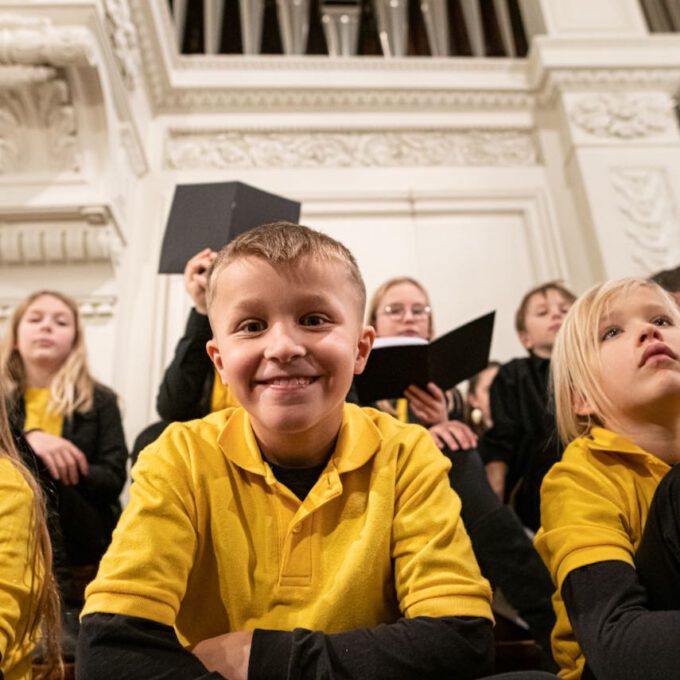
[
  {"x": 626, "y": 302},
  {"x": 541, "y": 297}
]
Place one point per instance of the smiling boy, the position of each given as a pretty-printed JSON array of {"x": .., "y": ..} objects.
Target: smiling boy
[{"x": 297, "y": 536}]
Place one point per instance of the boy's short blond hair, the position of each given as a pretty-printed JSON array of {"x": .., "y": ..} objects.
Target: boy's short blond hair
[
  {"x": 543, "y": 289},
  {"x": 285, "y": 245},
  {"x": 574, "y": 364}
]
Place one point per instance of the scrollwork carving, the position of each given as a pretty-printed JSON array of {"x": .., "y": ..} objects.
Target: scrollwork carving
[
  {"x": 123, "y": 35},
  {"x": 31, "y": 40},
  {"x": 652, "y": 221},
  {"x": 621, "y": 115},
  {"x": 58, "y": 116},
  {"x": 350, "y": 148}
]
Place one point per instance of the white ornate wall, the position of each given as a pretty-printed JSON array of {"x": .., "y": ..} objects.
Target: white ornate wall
[{"x": 481, "y": 177}]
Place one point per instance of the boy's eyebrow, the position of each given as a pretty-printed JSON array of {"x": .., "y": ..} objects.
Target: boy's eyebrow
[{"x": 247, "y": 304}]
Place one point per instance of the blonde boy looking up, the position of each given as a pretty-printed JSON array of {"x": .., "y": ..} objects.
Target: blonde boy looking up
[{"x": 297, "y": 536}]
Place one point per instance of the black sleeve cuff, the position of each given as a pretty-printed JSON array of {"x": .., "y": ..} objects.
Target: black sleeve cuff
[{"x": 269, "y": 654}]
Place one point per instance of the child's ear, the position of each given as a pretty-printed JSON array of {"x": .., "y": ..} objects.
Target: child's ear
[
  {"x": 216, "y": 357},
  {"x": 364, "y": 345},
  {"x": 583, "y": 407}
]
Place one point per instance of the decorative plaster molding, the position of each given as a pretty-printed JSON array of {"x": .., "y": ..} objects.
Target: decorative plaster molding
[
  {"x": 11, "y": 142},
  {"x": 13, "y": 76},
  {"x": 35, "y": 40},
  {"x": 560, "y": 80},
  {"x": 325, "y": 99},
  {"x": 90, "y": 307},
  {"x": 62, "y": 236},
  {"x": 653, "y": 225},
  {"x": 625, "y": 116},
  {"x": 288, "y": 149},
  {"x": 123, "y": 36},
  {"x": 133, "y": 149},
  {"x": 38, "y": 129}
]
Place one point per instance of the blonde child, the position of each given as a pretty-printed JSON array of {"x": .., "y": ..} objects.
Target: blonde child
[
  {"x": 611, "y": 508},
  {"x": 72, "y": 423},
  {"x": 296, "y": 536},
  {"x": 29, "y": 602},
  {"x": 401, "y": 307}
]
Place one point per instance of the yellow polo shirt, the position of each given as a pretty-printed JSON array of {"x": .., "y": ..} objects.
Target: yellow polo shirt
[
  {"x": 17, "y": 539},
  {"x": 211, "y": 542},
  {"x": 38, "y": 415},
  {"x": 221, "y": 395},
  {"x": 594, "y": 507}
]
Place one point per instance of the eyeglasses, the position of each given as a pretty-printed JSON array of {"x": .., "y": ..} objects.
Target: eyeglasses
[{"x": 397, "y": 311}]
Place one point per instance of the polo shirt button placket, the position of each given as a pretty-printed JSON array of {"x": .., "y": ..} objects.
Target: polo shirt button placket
[{"x": 297, "y": 528}]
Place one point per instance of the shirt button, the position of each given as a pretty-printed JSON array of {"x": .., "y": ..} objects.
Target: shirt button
[{"x": 297, "y": 528}]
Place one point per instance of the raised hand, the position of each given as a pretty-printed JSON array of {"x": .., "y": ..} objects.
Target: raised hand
[{"x": 196, "y": 277}]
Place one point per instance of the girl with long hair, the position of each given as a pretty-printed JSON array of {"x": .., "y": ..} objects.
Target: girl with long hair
[
  {"x": 71, "y": 422},
  {"x": 29, "y": 603}
]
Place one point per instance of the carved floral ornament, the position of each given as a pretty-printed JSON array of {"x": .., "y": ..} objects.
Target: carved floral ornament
[
  {"x": 45, "y": 109},
  {"x": 309, "y": 149},
  {"x": 621, "y": 115}
]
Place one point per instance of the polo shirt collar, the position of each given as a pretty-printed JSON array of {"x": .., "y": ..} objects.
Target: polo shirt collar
[
  {"x": 601, "y": 439},
  {"x": 358, "y": 440}
]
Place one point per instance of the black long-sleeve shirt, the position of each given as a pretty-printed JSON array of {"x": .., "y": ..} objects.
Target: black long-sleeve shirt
[
  {"x": 620, "y": 638},
  {"x": 186, "y": 388},
  {"x": 524, "y": 434}
]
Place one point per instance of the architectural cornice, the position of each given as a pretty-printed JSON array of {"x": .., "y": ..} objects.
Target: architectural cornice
[{"x": 61, "y": 235}]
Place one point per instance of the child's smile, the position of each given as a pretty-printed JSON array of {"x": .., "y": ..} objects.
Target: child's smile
[{"x": 288, "y": 341}]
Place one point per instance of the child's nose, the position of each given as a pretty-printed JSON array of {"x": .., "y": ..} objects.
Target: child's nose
[
  {"x": 649, "y": 331},
  {"x": 283, "y": 344}
]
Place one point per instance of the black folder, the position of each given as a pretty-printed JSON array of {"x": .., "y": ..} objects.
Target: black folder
[
  {"x": 211, "y": 215},
  {"x": 446, "y": 361}
]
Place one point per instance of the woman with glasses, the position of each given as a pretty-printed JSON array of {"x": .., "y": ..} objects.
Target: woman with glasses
[{"x": 401, "y": 307}]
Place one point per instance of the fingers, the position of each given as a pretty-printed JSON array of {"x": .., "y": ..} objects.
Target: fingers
[
  {"x": 465, "y": 436},
  {"x": 443, "y": 437},
  {"x": 436, "y": 392}
]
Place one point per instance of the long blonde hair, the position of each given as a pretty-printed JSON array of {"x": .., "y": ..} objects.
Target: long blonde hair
[
  {"x": 72, "y": 387},
  {"x": 44, "y": 599},
  {"x": 574, "y": 363}
]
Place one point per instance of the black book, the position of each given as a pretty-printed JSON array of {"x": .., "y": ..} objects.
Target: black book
[
  {"x": 211, "y": 215},
  {"x": 399, "y": 362}
]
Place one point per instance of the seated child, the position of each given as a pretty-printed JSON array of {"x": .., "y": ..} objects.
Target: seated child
[
  {"x": 522, "y": 444},
  {"x": 297, "y": 535},
  {"x": 29, "y": 603},
  {"x": 401, "y": 307},
  {"x": 611, "y": 508},
  {"x": 71, "y": 422}
]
